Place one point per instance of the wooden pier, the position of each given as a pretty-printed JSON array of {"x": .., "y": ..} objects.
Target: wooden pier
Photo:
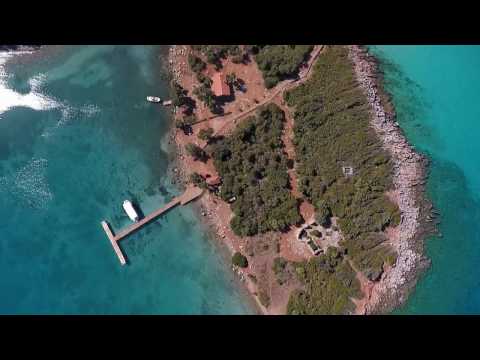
[{"x": 191, "y": 193}]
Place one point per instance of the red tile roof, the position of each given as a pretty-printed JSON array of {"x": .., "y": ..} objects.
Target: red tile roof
[{"x": 219, "y": 85}]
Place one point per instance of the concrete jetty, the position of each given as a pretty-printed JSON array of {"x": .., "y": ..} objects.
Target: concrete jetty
[{"x": 191, "y": 193}]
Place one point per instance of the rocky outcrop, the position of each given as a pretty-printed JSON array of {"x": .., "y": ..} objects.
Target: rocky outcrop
[{"x": 408, "y": 193}]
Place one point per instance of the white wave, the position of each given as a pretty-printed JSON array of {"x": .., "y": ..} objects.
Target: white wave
[
  {"x": 36, "y": 82},
  {"x": 35, "y": 99},
  {"x": 10, "y": 98},
  {"x": 69, "y": 113}
]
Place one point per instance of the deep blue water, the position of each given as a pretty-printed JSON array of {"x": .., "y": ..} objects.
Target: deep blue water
[
  {"x": 436, "y": 93},
  {"x": 65, "y": 168}
]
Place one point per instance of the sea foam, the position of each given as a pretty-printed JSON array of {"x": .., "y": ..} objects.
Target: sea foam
[{"x": 34, "y": 99}]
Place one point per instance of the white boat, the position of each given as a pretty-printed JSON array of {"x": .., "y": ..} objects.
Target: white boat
[
  {"x": 154, "y": 99},
  {"x": 130, "y": 210}
]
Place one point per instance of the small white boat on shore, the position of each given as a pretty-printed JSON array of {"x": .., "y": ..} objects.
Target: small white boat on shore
[
  {"x": 130, "y": 210},
  {"x": 154, "y": 99}
]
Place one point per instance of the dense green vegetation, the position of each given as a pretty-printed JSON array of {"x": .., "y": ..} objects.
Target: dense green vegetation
[
  {"x": 331, "y": 131},
  {"x": 282, "y": 269},
  {"x": 205, "y": 94},
  {"x": 199, "y": 180},
  {"x": 196, "y": 64},
  {"x": 329, "y": 284},
  {"x": 239, "y": 260},
  {"x": 185, "y": 123},
  {"x": 253, "y": 166},
  {"x": 179, "y": 94},
  {"x": 206, "y": 134},
  {"x": 196, "y": 152},
  {"x": 278, "y": 62},
  {"x": 214, "y": 53}
]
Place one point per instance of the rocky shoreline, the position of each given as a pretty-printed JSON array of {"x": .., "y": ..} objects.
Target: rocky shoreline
[{"x": 409, "y": 177}]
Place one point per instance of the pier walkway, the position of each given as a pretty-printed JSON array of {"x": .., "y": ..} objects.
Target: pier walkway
[{"x": 191, "y": 193}]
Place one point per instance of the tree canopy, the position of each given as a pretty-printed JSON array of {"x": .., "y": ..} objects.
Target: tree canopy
[
  {"x": 252, "y": 164},
  {"x": 279, "y": 62},
  {"x": 332, "y": 130},
  {"x": 196, "y": 152}
]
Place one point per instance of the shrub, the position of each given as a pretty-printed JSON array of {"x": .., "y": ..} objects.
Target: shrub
[
  {"x": 329, "y": 284},
  {"x": 264, "y": 299},
  {"x": 278, "y": 62},
  {"x": 179, "y": 94},
  {"x": 196, "y": 64},
  {"x": 196, "y": 152},
  {"x": 231, "y": 78},
  {"x": 239, "y": 260},
  {"x": 203, "y": 79},
  {"x": 214, "y": 53},
  {"x": 279, "y": 265},
  {"x": 238, "y": 59},
  {"x": 198, "y": 180},
  {"x": 190, "y": 119},
  {"x": 206, "y": 134},
  {"x": 322, "y": 213}
]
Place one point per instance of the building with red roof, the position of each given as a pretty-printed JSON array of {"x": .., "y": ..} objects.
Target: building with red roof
[{"x": 219, "y": 85}]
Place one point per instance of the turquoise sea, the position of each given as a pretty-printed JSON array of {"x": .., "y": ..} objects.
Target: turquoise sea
[
  {"x": 77, "y": 138},
  {"x": 436, "y": 91}
]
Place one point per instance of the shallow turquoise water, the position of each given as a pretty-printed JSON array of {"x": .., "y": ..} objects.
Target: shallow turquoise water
[
  {"x": 66, "y": 168},
  {"x": 436, "y": 92}
]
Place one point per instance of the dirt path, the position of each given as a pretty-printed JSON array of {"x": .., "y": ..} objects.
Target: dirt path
[{"x": 285, "y": 85}]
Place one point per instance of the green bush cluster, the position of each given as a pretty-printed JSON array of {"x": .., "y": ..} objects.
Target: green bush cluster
[
  {"x": 196, "y": 64},
  {"x": 179, "y": 94},
  {"x": 196, "y": 152},
  {"x": 206, "y": 134},
  {"x": 329, "y": 285},
  {"x": 332, "y": 130},
  {"x": 282, "y": 270},
  {"x": 199, "y": 180},
  {"x": 205, "y": 94},
  {"x": 239, "y": 260},
  {"x": 278, "y": 62},
  {"x": 252, "y": 164},
  {"x": 214, "y": 53}
]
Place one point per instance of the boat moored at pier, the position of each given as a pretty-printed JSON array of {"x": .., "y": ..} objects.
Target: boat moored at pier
[{"x": 130, "y": 210}]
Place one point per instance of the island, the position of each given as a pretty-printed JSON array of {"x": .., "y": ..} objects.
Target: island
[{"x": 309, "y": 181}]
